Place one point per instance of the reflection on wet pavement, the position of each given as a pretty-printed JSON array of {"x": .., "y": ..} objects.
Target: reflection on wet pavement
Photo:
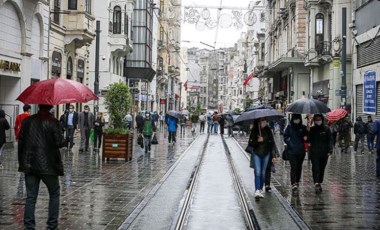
[
  {"x": 94, "y": 194},
  {"x": 350, "y": 199}
]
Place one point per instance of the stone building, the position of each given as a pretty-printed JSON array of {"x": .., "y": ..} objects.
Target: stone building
[
  {"x": 365, "y": 27},
  {"x": 24, "y": 58}
]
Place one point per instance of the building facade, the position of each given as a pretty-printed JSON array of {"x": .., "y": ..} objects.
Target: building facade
[
  {"x": 365, "y": 28},
  {"x": 169, "y": 60},
  {"x": 115, "y": 44},
  {"x": 71, "y": 34},
  {"x": 24, "y": 41}
]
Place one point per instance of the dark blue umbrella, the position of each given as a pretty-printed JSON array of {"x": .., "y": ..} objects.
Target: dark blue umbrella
[
  {"x": 308, "y": 106},
  {"x": 253, "y": 107},
  {"x": 250, "y": 116}
]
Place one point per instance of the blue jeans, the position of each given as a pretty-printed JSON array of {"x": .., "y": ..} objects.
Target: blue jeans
[
  {"x": 370, "y": 140},
  {"x": 209, "y": 127},
  {"x": 216, "y": 127},
  {"x": 32, "y": 184},
  {"x": 260, "y": 164},
  {"x": 147, "y": 143}
]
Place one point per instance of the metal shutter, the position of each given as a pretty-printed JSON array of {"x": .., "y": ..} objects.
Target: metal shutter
[{"x": 359, "y": 102}]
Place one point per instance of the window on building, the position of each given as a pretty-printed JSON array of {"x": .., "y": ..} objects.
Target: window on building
[
  {"x": 126, "y": 25},
  {"x": 69, "y": 70},
  {"x": 88, "y": 6},
  {"x": 117, "y": 20},
  {"x": 162, "y": 34},
  {"x": 57, "y": 9},
  {"x": 319, "y": 33},
  {"x": 72, "y": 4},
  {"x": 162, "y": 7}
]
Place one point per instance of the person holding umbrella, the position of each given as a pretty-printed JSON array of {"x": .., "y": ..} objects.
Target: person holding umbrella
[
  {"x": 172, "y": 128},
  {"x": 39, "y": 158},
  {"x": 262, "y": 142},
  {"x": 295, "y": 135},
  {"x": 321, "y": 147}
]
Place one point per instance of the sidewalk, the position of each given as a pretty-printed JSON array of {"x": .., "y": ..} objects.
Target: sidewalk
[
  {"x": 351, "y": 195},
  {"x": 94, "y": 194}
]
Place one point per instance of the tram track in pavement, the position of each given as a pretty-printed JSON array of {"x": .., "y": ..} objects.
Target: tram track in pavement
[{"x": 250, "y": 219}]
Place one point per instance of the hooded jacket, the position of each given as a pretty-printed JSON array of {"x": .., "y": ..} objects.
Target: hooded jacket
[
  {"x": 321, "y": 140},
  {"x": 40, "y": 138},
  {"x": 294, "y": 134}
]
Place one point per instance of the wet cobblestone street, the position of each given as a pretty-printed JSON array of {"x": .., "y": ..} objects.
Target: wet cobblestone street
[
  {"x": 94, "y": 194},
  {"x": 351, "y": 195}
]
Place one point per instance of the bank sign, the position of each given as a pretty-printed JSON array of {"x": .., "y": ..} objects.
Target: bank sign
[{"x": 369, "y": 96}]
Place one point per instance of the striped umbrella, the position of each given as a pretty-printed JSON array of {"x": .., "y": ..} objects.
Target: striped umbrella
[{"x": 336, "y": 115}]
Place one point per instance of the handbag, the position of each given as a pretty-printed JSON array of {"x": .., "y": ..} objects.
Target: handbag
[
  {"x": 154, "y": 140},
  {"x": 285, "y": 154},
  {"x": 249, "y": 149}
]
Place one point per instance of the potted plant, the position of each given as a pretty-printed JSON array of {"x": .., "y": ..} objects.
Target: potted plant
[{"x": 117, "y": 140}]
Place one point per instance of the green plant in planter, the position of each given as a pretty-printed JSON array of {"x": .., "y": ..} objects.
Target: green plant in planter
[{"x": 118, "y": 101}]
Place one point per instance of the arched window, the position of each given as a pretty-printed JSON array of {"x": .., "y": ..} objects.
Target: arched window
[
  {"x": 117, "y": 20},
  {"x": 319, "y": 33},
  {"x": 72, "y": 4},
  {"x": 69, "y": 70}
]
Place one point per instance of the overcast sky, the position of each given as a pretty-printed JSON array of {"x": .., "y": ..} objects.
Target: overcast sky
[{"x": 191, "y": 37}]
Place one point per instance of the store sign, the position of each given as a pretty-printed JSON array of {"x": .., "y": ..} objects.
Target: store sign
[
  {"x": 369, "y": 94},
  {"x": 10, "y": 66}
]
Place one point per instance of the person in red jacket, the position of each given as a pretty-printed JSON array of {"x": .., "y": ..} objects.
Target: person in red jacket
[{"x": 27, "y": 108}]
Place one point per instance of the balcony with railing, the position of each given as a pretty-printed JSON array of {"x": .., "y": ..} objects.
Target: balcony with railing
[{"x": 323, "y": 48}]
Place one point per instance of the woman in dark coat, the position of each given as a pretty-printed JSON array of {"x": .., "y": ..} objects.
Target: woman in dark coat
[
  {"x": 295, "y": 135},
  {"x": 4, "y": 125},
  {"x": 262, "y": 141},
  {"x": 98, "y": 131},
  {"x": 321, "y": 147}
]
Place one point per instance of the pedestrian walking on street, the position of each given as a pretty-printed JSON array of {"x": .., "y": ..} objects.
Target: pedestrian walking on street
[
  {"x": 262, "y": 142},
  {"x": 128, "y": 118},
  {"x": 85, "y": 121},
  {"x": 139, "y": 122},
  {"x": 172, "y": 129},
  {"x": 202, "y": 120},
  {"x": 230, "y": 125},
  {"x": 70, "y": 125},
  {"x": 27, "y": 109},
  {"x": 162, "y": 120},
  {"x": 321, "y": 147},
  {"x": 4, "y": 125},
  {"x": 209, "y": 123},
  {"x": 98, "y": 131},
  {"x": 344, "y": 133},
  {"x": 155, "y": 118},
  {"x": 182, "y": 122},
  {"x": 221, "y": 123},
  {"x": 149, "y": 129},
  {"x": 360, "y": 132},
  {"x": 376, "y": 131},
  {"x": 295, "y": 135},
  {"x": 370, "y": 134},
  {"x": 39, "y": 158},
  {"x": 215, "y": 119}
]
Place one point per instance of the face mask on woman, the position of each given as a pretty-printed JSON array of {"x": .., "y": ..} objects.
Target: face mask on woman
[
  {"x": 296, "y": 121},
  {"x": 318, "y": 123},
  {"x": 263, "y": 124}
]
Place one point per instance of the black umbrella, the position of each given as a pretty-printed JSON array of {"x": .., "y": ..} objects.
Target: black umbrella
[
  {"x": 253, "y": 107},
  {"x": 308, "y": 106},
  {"x": 174, "y": 113},
  {"x": 250, "y": 116}
]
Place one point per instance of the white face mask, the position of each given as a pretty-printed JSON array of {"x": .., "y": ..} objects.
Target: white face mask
[
  {"x": 296, "y": 121},
  {"x": 71, "y": 110},
  {"x": 263, "y": 124},
  {"x": 318, "y": 122},
  {"x": 86, "y": 110}
]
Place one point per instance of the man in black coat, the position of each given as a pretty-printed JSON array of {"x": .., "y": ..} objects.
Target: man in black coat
[
  {"x": 40, "y": 138},
  {"x": 70, "y": 124}
]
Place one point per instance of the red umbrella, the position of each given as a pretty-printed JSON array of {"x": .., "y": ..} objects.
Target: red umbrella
[
  {"x": 56, "y": 91},
  {"x": 336, "y": 115}
]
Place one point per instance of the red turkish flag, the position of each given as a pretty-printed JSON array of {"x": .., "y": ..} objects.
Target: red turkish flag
[{"x": 250, "y": 76}]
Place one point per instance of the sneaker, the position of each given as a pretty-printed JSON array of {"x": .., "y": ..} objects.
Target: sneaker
[
  {"x": 318, "y": 188},
  {"x": 1, "y": 166},
  {"x": 268, "y": 189},
  {"x": 258, "y": 194},
  {"x": 261, "y": 194},
  {"x": 294, "y": 187}
]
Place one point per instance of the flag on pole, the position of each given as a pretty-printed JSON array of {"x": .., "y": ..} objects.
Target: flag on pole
[
  {"x": 185, "y": 86},
  {"x": 250, "y": 76}
]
